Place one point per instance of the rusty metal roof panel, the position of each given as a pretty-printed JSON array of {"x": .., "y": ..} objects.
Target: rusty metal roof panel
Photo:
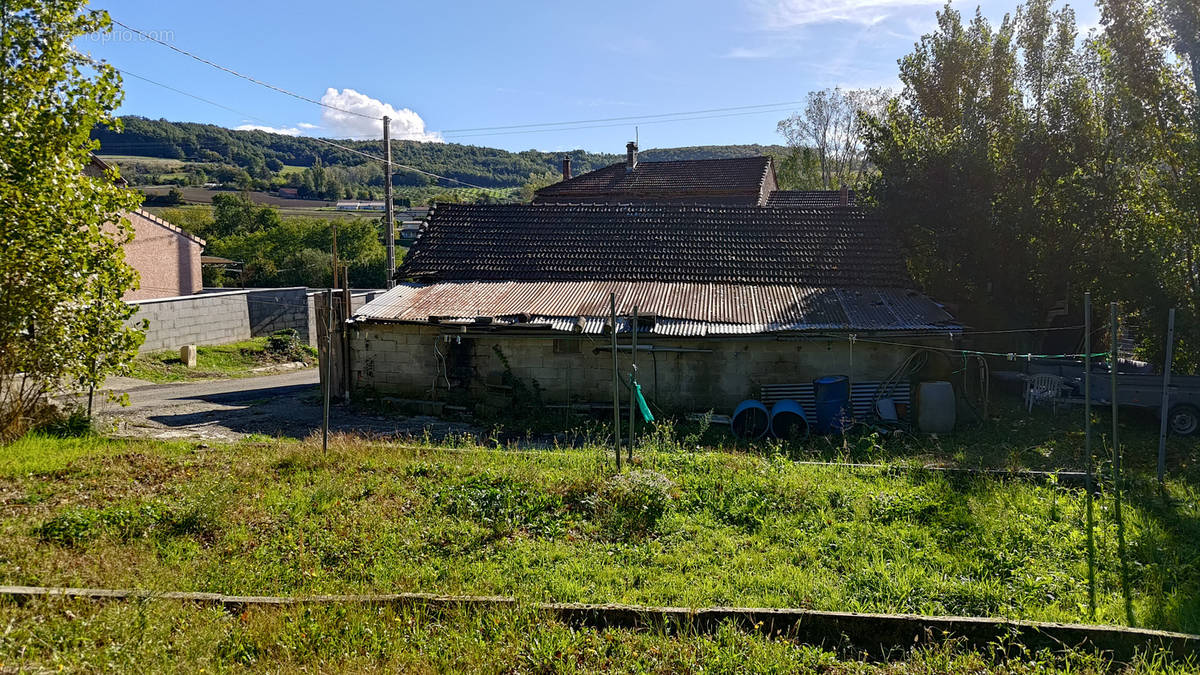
[{"x": 680, "y": 309}]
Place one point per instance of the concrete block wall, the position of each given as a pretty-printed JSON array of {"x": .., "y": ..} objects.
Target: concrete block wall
[
  {"x": 274, "y": 309},
  {"x": 400, "y": 359},
  {"x": 205, "y": 319},
  {"x": 219, "y": 316}
]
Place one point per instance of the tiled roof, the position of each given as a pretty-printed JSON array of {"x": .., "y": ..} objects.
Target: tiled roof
[
  {"x": 808, "y": 199},
  {"x": 842, "y": 248},
  {"x": 724, "y": 181},
  {"x": 678, "y": 309}
]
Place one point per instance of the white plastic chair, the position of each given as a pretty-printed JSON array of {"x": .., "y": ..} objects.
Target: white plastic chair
[{"x": 1043, "y": 388}]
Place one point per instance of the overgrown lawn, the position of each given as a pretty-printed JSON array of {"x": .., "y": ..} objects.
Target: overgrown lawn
[{"x": 726, "y": 529}]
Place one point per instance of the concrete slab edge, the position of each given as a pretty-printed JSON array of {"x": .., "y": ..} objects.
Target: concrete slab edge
[{"x": 877, "y": 634}]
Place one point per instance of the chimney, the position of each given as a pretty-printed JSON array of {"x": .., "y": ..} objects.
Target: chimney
[
  {"x": 630, "y": 156},
  {"x": 566, "y": 167},
  {"x": 845, "y": 201}
]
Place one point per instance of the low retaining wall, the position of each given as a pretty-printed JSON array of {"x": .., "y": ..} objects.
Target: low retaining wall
[
  {"x": 220, "y": 316},
  {"x": 879, "y": 635},
  {"x": 206, "y": 319}
]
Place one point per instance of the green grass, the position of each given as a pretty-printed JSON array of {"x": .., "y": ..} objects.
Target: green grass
[
  {"x": 284, "y": 519},
  {"x": 167, "y": 637},
  {"x": 215, "y": 361}
]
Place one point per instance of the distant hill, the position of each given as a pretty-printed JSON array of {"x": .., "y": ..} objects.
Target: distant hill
[{"x": 271, "y": 158}]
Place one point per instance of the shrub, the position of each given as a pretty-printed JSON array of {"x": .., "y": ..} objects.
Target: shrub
[
  {"x": 631, "y": 504},
  {"x": 286, "y": 344}
]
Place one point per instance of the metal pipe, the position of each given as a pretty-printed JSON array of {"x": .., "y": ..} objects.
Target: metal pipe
[
  {"x": 1117, "y": 481},
  {"x": 1166, "y": 401},
  {"x": 1087, "y": 445},
  {"x": 612, "y": 306},
  {"x": 328, "y": 368},
  {"x": 633, "y": 331},
  {"x": 652, "y": 348}
]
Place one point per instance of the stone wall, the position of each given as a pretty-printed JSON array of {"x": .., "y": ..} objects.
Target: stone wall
[
  {"x": 401, "y": 360},
  {"x": 206, "y": 319}
]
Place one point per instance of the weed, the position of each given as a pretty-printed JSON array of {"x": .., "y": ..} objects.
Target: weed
[{"x": 630, "y": 505}]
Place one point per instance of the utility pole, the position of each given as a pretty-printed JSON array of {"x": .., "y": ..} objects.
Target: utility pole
[{"x": 390, "y": 217}]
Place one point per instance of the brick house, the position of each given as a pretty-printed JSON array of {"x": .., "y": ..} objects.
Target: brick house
[
  {"x": 167, "y": 259},
  {"x": 731, "y": 298}
]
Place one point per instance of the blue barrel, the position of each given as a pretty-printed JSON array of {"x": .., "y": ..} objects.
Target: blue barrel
[
  {"x": 832, "y": 402},
  {"x": 750, "y": 420},
  {"x": 788, "y": 421}
]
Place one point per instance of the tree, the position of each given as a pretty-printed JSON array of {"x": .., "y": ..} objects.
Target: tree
[
  {"x": 1071, "y": 159},
  {"x": 832, "y": 126},
  {"x": 62, "y": 272},
  {"x": 537, "y": 182}
]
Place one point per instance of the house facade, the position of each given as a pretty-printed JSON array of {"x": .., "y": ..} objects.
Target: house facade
[
  {"x": 730, "y": 299},
  {"x": 167, "y": 258}
]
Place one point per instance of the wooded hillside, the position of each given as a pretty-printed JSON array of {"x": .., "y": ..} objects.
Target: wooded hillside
[{"x": 261, "y": 154}]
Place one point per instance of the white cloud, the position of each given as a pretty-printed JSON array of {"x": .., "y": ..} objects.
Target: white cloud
[
  {"x": 406, "y": 124},
  {"x": 307, "y": 125},
  {"x": 749, "y": 53},
  {"x": 784, "y": 14},
  {"x": 286, "y": 131}
]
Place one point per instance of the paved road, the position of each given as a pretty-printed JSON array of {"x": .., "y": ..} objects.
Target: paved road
[
  {"x": 227, "y": 391},
  {"x": 287, "y": 404}
]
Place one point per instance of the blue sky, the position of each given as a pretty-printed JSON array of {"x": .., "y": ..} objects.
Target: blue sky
[{"x": 447, "y": 66}]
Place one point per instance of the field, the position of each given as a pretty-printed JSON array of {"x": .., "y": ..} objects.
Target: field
[{"x": 200, "y": 195}]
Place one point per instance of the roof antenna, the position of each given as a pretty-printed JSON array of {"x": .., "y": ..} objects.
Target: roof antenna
[{"x": 635, "y": 137}]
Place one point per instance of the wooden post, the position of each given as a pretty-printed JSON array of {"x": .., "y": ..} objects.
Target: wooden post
[
  {"x": 1117, "y": 481},
  {"x": 390, "y": 215},
  {"x": 612, "y": 305},
  {"x": 633, "y": 331},
  {"x": 344, "y": 337},
  {"x": 1087, "y": 445},
  {"x": 1166, "y": 401}
]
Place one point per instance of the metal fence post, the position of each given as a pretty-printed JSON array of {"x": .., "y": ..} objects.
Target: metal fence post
[
  {"x": 1166, "y": 401},
  {"x": 1087, "y": 445},
  {"x": 612, "y": 306}
]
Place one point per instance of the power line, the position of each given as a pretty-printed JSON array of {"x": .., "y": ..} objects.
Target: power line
[
  {"x": 243, "y": 76},
  {"x": 622, "y": 124},
  {"x": 628, "y": 118},
  {"x": 180, "y": 91}
]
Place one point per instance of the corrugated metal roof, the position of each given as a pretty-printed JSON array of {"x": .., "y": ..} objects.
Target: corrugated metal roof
[{"x": 680, "y": 309}]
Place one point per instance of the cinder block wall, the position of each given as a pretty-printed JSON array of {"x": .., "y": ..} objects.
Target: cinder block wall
[
  {"x": 273, "y": 309},
  {"x": 207, "y": 319},
  {"x": 401, "y": 360}
]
